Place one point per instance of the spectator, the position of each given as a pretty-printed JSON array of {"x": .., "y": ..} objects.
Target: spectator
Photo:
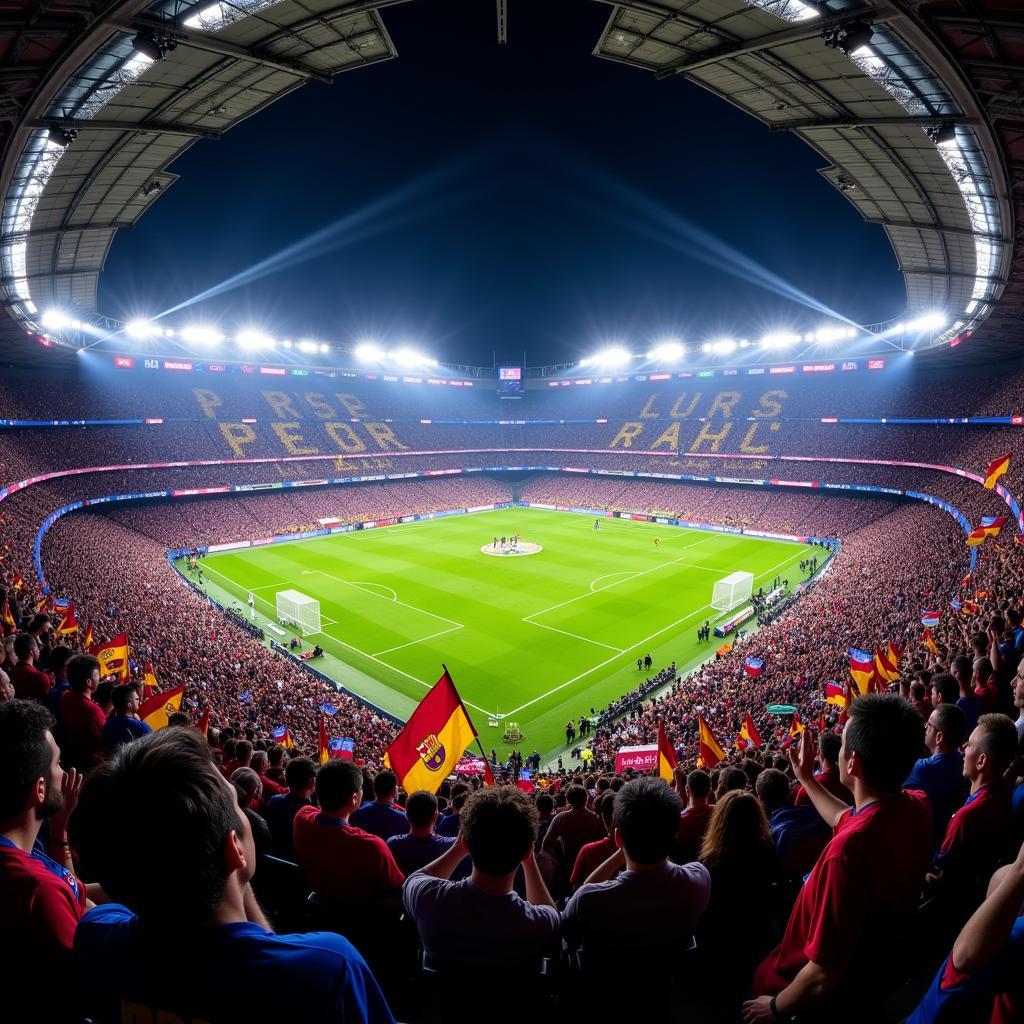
[
  {"x": 798, "y": 831},
  {"x": 42, "y": 899},
  {"x": 160, "y": 802},
  {"x": 1018, "y": 700},
  {"x": 58, "y": 663},
  {"x": 695, "y": 816},
  {"x": 941, "y": 775},
  {"x": 653, "y": 905},
  {"x": 480, "y": 919},
  {"x": 828, "y": 775},
  {"x": 968, "y": 701},
  {"x": 29, "y": 682},
  {"x": 592, "y": 855},
  {"x": 972, "y": 839},
  {"x": 6, "y": 687},
  {"x": 449, "y": 823},
  {"x": 281, "y": 810},
  {"x": 546, "y": 811},
  {"x": 343, "y": 863},
  {"x": 260, "y": 764},
  {"x": 944, "y": 689},
  {"x": 381, "y": 816},
  {"x": 830, "y": 942},
  {"x": 249, "y": 790},
  {"x": 421, "y": 844},
  {"x": 919, "y": 694},
  {"x": 572, "y": 829},
  {"x": 123, "y": 725},
  {"x": 81, "y": 719}
]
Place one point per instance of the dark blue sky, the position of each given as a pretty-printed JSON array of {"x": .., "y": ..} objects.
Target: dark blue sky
[{"x": 541, "y": 179}]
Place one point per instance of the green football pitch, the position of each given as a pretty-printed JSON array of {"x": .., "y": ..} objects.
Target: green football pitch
[{"x": 537, "y": 639}]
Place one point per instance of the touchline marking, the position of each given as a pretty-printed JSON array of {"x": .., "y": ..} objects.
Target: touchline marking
[
  {"x": 422, "y": 611},
  {"x": 325, "y": 620},
  {"x": 641, "y": 643},
  {"x": 565, "y": 632},
  {"x": 636, "y": 575},
  {"x": 422, "y": 640}
]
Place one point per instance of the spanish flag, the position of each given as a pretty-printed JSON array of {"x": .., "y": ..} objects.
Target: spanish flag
[
  {"x": 796, "y": 726},
  {"x": 323, "y": 746},
  {"x": 929, "y": 642},
  {"x": 282, "y": 734},
  {"x": 976, "y": 537},
  {"x": 996, "y": 470},
  {"x": 836, "y": 694},
  {"x": 90, "y": 640},
  {"x": 68, "y": 624},
  {"x": 18, "y": 582},
  {"x": 437, "y": 734},
  {"x": 749, "y": 733},
  {"x": 992, "y": 524},
  {"x": 8, "y": 617},
  {"x": 149, "y": 683},
  {"x": 488, "y": 775},
  {"x": 666, "y": 754},
  {"x": 43, "y": 605},
  {"x": 113, "y": 657},
  {"x": 710, "y": 750},
  {"x": 155, "y": 711}
]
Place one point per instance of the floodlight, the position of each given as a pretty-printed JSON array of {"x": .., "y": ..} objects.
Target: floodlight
[
  {"x": 744, "y": 343},
  {"x": 723, "y": 347},
  {"x": 944, "y": 134},
  {"x": 148, "y": 46},
  {"x": 253, "y": 340},
  {"x": 307, "y": 346},
  {"x": 667, "y": 351},
  {"x": 56, "y": 320},
  {"x": 286, "y": 344},
  {"x": 706, "y": 347},
  {"x": 928, "y": 322},
  {"x": 199, "y": 334},
  {"x": 62, "y": 137},
  {"x": 324, "y": 347},
  {"x": 139, "y": 329},
  {"x": 406, "y": 356},
  {"x": 369, "y": 352},
  {"x": 613, "y": 356},
  {"x": 828, "y": 334},
  {"x": 779, "y": 339},
  {"x": 854, "y": 36}
]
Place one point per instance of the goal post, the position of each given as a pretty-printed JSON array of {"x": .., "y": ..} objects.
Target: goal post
[
  {"x": 299, "y": 610},
  {"x": 732, "y": 591}
]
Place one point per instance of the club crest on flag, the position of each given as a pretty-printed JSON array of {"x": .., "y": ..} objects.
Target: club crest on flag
[{"x": 431, "y": 752}]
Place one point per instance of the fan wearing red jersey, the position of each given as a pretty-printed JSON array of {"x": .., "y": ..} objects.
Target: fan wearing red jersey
[{"x": 865, "y": 884}]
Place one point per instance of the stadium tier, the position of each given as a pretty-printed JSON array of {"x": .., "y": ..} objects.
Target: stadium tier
[{"x": 177, "y": 549}]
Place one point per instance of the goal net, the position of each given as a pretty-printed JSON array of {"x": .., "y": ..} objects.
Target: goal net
[
  {"x": 732, "y": 591},
  {"x": 299, "y": 610}
]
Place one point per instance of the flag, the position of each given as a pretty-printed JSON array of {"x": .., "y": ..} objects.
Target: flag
[
  {"x": 996, "y": 470},
  {"x": 710, "y": 750},
  {"x": 328, "y": 709},
  {"x": 835, "y": 694},
  {"x": 862, "y": 668},
  {"x": 149, "y": 683},
  {"x": 992, "y": 524},
  {"x": 976, "y": 537},
  {"x": 90, "y": 640},
  {"x": 343, "y": 747},
  {"x": 724, "y": 649},
  {"x": 203, "y": 724},
  {"x": 967, "y": 578},
  {"x": 43, "y": 604},
  {"x": 282, "y": 735},
  {"x": 113, "y": 657},
  {"x": 666, "y": 754},
  {"x": 323, "y": 744},
  {"x": 748, "y": 731},
  {"x": 155, "y": 711},
  {"x": 930, "y": 619},
  {"x": 525, "y": 780},
  {"x": 432, "y": 741},
  {"x": 18, "y": 582},
  {"x": 955, "y": 604},
  {"x": 970, "y": 608},
  {"x": 753, "y": 666},
  {"x": 60, "y": 603},
  {"x": 821, "y": 722},
  {"x": 245, "y": 697},
  {"x": 488, "y": 775},
  {"x": 885, "y": 667},
  {"x": 8, "y": 617},
  {"x": 68, "y": 624},
  {"x": 929, "y": 642},
  {"x": 1019, "y": 539},
  {"x": 796, "y": 727}
]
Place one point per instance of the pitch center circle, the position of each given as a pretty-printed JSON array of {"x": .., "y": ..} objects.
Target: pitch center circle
[{"x": 507, "y": 551}]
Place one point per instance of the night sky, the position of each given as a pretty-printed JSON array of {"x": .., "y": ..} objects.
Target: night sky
[{"x": 509, "y": 198}]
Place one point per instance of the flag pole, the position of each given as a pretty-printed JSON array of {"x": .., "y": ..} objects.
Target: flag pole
[{"x": 476, "y": 735}]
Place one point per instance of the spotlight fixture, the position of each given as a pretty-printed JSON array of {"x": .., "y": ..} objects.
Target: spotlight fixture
[
  {"x": 60, "y": 136},
  {"x": 154, "y": 47},
  {"x": 151, "y": 188},
  {"x": 943, "y": 134},
  {"x": 845, "y": 184},
  {"x": 850, "y": 38}
]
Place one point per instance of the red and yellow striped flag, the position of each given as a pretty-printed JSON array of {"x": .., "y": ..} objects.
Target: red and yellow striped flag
[
  {"x": 996, "y": 470},
  {"x": 323, "y": 749},
  {"x": 666, "y": 754},
  {"x": 113, "y": 657},
  {"x": 155, "y": 711},
  {"x": 710, "y": 750}
]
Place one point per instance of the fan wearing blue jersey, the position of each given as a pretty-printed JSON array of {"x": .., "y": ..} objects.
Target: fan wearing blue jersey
[{"x": 162, "y": 829}]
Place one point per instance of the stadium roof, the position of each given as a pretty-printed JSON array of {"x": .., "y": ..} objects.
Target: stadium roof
[{"x": 90, "y": 121}]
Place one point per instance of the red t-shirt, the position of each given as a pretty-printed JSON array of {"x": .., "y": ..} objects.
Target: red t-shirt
[
  {"x": 974, "y": 833},
  {"x": 29, "y": 683},
  {"x": 591, "y": 856},
  {"x": 42, "y": 903},
  {"x": 829, "y": 781},
  {"x": 693, "y": 823},
  {"x": 862, "y": 892},
  {"x": 343, "y": 862},
  {"x": 82, "y": 722}
]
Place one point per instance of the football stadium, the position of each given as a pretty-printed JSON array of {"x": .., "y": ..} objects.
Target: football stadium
[{"x": 529, "y": 529}]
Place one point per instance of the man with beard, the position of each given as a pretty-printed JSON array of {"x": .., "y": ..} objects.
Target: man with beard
[{"x": 42, "y": 899}]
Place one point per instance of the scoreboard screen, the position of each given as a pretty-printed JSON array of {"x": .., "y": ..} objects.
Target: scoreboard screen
[{"x": 510, "y": 382}]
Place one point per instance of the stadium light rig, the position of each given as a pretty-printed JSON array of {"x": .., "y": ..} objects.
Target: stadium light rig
[
  {"x": 610, "y": 357},
  {"x": 253, "y": 340},
  {"x": 141, "y": 329},
  {"x": 407, "y": 357},
  {"x": 779, "y": 340},
  {"x": 368, "y": 352},
  {"x": 667, "y": 351},
  {"x": 201, "y": 335}
]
